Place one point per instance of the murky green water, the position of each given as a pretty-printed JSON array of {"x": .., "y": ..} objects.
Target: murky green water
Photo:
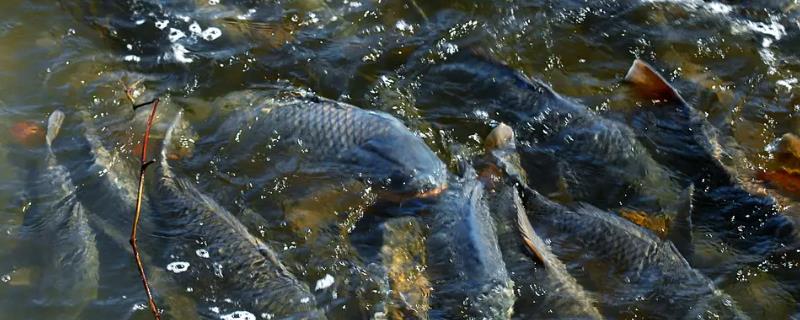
[{"x": 737, "y": 62}]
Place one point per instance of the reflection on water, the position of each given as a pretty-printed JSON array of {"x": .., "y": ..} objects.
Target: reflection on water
[{"x": 736, "y": 63}]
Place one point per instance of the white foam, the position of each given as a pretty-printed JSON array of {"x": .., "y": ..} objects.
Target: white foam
[
  {"x": 325, "y": 282},
  {"x": 179, "y": 53},
  {"x": 132, "y": 58},
  {"x": 238, "y": 315}
]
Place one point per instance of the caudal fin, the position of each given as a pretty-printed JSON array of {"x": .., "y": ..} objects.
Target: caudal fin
[{"x": 54, "y": 123}]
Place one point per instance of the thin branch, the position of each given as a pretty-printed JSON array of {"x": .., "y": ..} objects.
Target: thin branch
[{"x": 144, "y": 163}]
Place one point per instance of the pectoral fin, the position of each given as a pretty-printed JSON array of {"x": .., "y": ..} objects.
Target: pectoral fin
[
  {"x": 530, "y": 239},
  {"x": 650, "y": 84},
  {"x": 659, "y": 224},
  {"x": 680, "y": 231}
]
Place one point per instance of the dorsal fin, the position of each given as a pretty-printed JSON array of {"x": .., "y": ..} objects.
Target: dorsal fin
[
  {"x": 680, "y": 231},
  {"x": 530, "y": 239},
  {"x": 650, "y": 84}
]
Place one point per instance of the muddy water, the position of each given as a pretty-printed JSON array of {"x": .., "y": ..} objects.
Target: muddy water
[{"x": 735, "y": 62}]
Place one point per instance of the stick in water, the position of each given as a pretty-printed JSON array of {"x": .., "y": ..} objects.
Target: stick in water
[{"x": 137, "y": 214}]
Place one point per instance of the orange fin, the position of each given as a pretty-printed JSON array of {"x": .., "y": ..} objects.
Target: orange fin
[
  {"x": 650, "y": 84},
  {"x": 529, "y": 236},
  {"x": 658, "y": 224}
]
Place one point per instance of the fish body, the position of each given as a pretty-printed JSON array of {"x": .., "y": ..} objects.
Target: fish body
[
  {"x": 214, "y": 246},
  {"x": 646, "y": 273},
  {"x": 320, "y": 137},
  {"x": 544, "y": 290},
  {"x": 568, "y": 147},
  {"x": 543, "y": 286},
  {"x": 465, "y": 264},
  {"x": 683, "y": 140},
  {"x": 57, "y": 227},
  {"x": 636, "y": 270}
]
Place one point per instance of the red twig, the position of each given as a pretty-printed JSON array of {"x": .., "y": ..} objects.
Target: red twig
[{"x": 144, "y": 163}]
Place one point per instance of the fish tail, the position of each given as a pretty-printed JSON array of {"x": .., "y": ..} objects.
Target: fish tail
[{"x": 54, "y": 123}]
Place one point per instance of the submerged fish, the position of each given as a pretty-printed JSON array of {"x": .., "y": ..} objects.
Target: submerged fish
[
  {"x": 403, "y": 254},
  {"x": 208, "y": 244},
  {"x": 465, "y": 266},
  {"x": 681, "y": 138},
  {"x": 320, "y": 137},
  {"x": 543, "y": 286},
  {"x": 636, "y": 270},
  {"x": 568, "y": 147},
  {"x": 57, "y": 228}
]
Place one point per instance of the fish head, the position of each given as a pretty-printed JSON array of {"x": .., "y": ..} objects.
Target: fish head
[
  {"x": 403, "y": 165},
  {"x": 501, "y": 149}
]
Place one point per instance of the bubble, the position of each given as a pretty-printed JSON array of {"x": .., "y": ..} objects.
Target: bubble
[
  {"x": 175, "y": 35},
  {"x": 161, "y": 24},
  {"x": 178, "y": 266},
  {"x": 238, "y": 315},
  {"x": 211, "y": 34},
  {"x": 202, "y": 253},
  {"x": 195, "y": 28}
]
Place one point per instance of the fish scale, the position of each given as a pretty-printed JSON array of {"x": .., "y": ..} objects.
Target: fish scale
[
  {"x": 339, "y": 141},
  {"x": 239, "y": 264}
]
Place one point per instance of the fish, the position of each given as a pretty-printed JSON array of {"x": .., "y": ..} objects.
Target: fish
[
  {"x": 465, "y": 265},
  {"x": 57, "y": 228},
  {"x": 108, "y": 190},
  {"x": 574, "y": 152},
  {"x": 682, "y": 139},
  {"x": 301, "y": 134},
  {"x": 636, "y": 270},
  {"x": 212, "y": 251},
  {"x": 542, "y": 283},
  {"x": 403, "y": 254}
]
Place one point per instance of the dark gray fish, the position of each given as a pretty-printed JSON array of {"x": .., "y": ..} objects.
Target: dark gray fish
[
  {"x": 465, "y": 265},
  {"x": 636, "y": 271},
  {"x": 57, "y": 228},
  {"x": 543, "y": 286},
  {"x": 213, "y": 252},
  {"x": 108, "y": 180},
  {"x": 320, "y": 137},
  {"x": 568, "y": 147},
  {"x": 683, "y": 140}
]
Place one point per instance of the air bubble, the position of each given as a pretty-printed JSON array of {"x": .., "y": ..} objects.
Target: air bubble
[
  {"x": 211, "y": 34},
  {"x": 178, "y": 266}
]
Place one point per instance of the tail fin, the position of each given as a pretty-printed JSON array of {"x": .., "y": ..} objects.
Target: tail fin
[{"x": 54, "y": 126}]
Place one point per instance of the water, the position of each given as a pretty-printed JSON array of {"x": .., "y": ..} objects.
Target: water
[{"x": 735, "y": 62}]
